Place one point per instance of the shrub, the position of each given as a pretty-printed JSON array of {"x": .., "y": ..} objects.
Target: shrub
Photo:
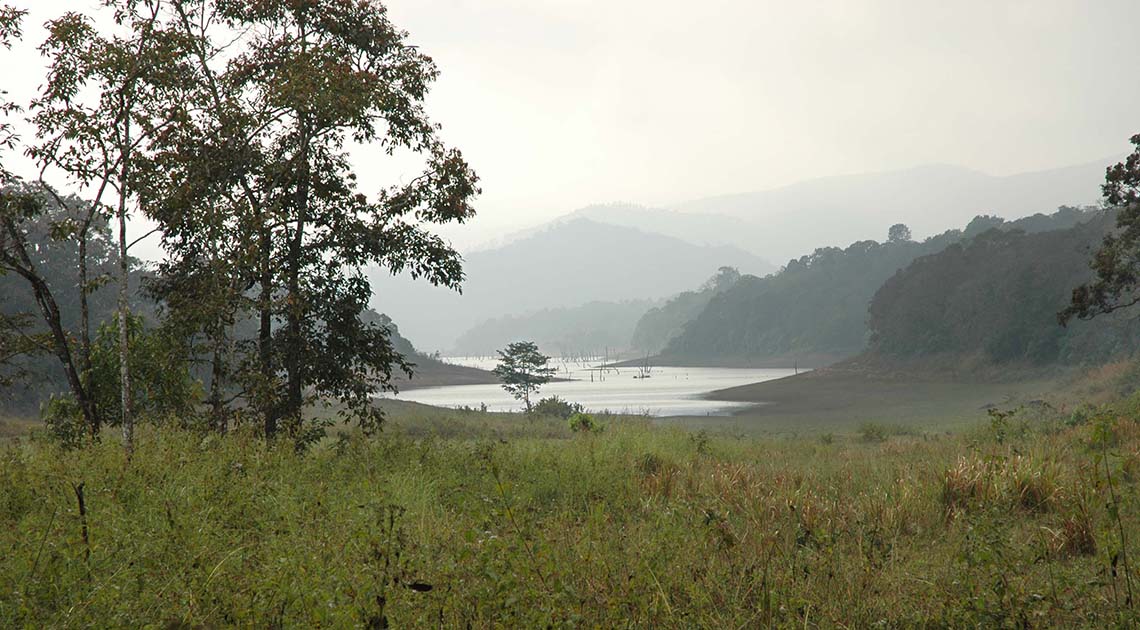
[
  {"x": 556, "y": 407},
  {"x": 64, "y": 421},
  {"x": 583, "y": 422},
  {"x": 1080, "y": 415}
]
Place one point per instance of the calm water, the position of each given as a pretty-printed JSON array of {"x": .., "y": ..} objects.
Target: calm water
[{"x": 670, "y": 391}]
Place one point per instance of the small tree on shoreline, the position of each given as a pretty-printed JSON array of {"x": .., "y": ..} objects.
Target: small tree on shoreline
[{"x": 523, "y": 370}]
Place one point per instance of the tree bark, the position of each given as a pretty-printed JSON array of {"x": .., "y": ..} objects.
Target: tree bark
[
  {"x": 265, "y": 331},
  {"x": 49, "y": 309},
  {"x": 293, "y": 368},
  {"x": 124, "y": 305}
]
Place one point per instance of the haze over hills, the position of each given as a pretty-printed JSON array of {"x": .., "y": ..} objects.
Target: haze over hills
[
  {"x": 843, "y": 209},
  {"x": 590, "y": 329},
  {"x": 566, "y": 265},
  {"x": 848, "y": 208}
]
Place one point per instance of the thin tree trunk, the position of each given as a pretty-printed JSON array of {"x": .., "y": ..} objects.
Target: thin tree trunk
[
  {"x": 216, "y": 377},
  {"x": 124, "y": 305},
  {"x": 49, "y": 309},
  {"x": 265, "y": 331},
  {"x": 293, "y": 369}
]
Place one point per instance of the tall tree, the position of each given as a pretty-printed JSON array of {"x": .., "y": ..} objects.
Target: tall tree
[
  {"x": 1117, "y": 262},
  {"x": 278, "y": 108},
  {"x": 20, "y": 206},
  {"x": 102, "y": 105},
  {"x": 23, "y": 251}
]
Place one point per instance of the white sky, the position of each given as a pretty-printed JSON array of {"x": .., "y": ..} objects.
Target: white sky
[{"x": 563, "y": 103}]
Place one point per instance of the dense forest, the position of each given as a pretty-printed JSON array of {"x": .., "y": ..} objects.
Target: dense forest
[
  {"x": 998, "y": 296},
  {"x": 817, "y": 304}
]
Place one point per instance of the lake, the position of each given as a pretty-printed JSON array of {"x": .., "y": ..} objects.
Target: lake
[{"x": 669, "y": 391}]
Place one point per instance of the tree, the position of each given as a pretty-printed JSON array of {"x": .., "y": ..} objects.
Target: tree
[
  {"x": 260, "y": 205},
  {"x": 20, "y": 207},
  {"x": 523, "y": 370},
  {"x": 899, "y": 233},
  {"x": 22, "y": 251},
  {"x": 102, "y": 106},
  {"x": 1117, "y": 262}
]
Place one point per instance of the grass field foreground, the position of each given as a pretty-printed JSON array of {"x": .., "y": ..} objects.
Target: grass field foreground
[{"x": 1030, "y": 519}]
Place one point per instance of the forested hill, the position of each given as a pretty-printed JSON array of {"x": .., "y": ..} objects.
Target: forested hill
[
  {"x": 660, "y": 325},
  {"x": 588, "y": 329},
  {"x": 997, "y": 297},
  {"x": 817, "y": 304}
]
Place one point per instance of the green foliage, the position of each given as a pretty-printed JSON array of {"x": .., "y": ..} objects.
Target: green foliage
[
  {"x": 818, "y": 303},
  {"x": 455, "y": 525},
  {"x": 898, "y": 233},
  {"x": 996, "y": 296},
  {"x": 583, "y": 423},
  {"x": 523, "y": 370},
  {"x": 1116, "y": 263},
  {"x": 660, "y": 325},
  {"x": 162, "y": 389},
  {"x": 63, "y": 420},
  {"x": 556, "y": 407}
]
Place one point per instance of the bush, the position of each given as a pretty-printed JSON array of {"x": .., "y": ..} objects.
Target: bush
[
  {"x": 583, "y": 422},
  {"x": 556, "y": 407},
  {"x": 64, "y": 421}
]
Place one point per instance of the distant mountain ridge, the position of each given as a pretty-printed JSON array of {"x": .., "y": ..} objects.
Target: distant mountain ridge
[
  {"x": 565, "y": 265},
  {"x": 786, "y": 222},
  {"x": 592, "y": 329}
]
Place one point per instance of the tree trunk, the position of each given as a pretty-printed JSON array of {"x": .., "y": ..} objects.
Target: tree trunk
[
  {"x": 124, "y": 305},
  {"x": 49, "y": 309},
  {"x": 293, "y": 369},
  {"x": 265, "y": 333},
  {"x": 218, "y": 411}
]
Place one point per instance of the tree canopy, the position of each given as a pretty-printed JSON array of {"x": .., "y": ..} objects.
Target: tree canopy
[
  {"x": 229, "y": 125},
  {"x": 1116, "y": 264},
  {"x": 523, "y": 370},
  {"x": 817, "y": 304}
]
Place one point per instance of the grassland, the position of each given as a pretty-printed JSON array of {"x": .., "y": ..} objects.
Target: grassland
[{"x": 455, "y": 519}]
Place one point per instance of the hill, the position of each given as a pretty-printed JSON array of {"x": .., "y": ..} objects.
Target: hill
[
  {"x": 566, "y": 265},
  {"x": 427, "y": 371},
  {"x": 817, "y": 305},
  {"x": 997, "y": 297},
  {"x": 573, "y": 331},
  {"x": 661, "y": 324}
]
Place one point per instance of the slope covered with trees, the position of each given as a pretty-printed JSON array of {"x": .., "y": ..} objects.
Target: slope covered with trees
[
  {"x": 573, "y": 331},
  {"x": 661, "y": 324},
  {"x": 817, "y": 304},
  {"x": 997, "y": 296},
  {"x": 564, "y": 266}
]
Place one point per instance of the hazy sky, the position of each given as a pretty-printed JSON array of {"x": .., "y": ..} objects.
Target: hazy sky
[{"x": 563, "y": 103}]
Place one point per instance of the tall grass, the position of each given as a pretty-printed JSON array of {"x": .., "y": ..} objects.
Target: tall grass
[{"x": 508, "y": 522}]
